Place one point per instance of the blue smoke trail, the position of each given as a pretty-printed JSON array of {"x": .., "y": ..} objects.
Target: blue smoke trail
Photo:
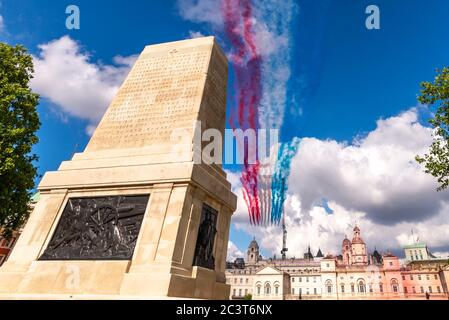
[{"x": 280, "y": 177}]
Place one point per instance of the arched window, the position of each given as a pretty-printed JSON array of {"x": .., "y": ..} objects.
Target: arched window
[
  {"x": 394, "y": 285},
  {"x": 276, "y": 289},
  {"x": 329, "y": 286},
  {"x": 361, "y": 286},
  {"x": 267, "y": 288},
  {"x": 259, "y": 287}
]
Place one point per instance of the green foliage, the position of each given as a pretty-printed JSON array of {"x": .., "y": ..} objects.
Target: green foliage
[
  {"x": 436, "y": 94},
  {"x": 248, "y": 297},
  {"x": 19, "y": 122}
]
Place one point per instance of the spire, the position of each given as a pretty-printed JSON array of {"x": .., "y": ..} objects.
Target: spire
[{"x": 284, "y": 229}]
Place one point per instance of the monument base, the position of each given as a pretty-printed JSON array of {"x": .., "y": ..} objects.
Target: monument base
[{"x": 162, "y": 262}]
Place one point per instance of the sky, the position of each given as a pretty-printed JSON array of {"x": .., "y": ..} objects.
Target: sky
[{"x": 348, "y": 93}]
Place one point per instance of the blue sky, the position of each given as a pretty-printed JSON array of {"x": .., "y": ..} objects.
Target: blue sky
[{"x": 343, "y": 77}]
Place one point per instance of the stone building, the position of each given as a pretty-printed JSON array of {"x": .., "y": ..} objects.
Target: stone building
[
  {"x": 353, "y": 274},
  {"x": 6, "y": 245}
]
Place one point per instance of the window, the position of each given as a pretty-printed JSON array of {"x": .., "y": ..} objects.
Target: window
[
  {"x": 361, "y": 286},
  {"x": 314, "y": 291},
  {"x": 428, "y": 277},
  {"x": 246, "y": 292},
  {"x": 352, "y": 288},
  {"x": 391, "y": 264},
  {"x": 240, "y": 292},
  {"x": 293, "y": 290},
  {"x": 234, "y": 292},
  {"x": 10, "y": 243},
  {"x": 394, "y": 286},
  {"x": 258, "y": 289},
  {"x": 267, "y": 288},
  {"x": 419, "y": 277},
  {"x": 422, "y": 289},
  {"x": 247, "y": 280},
  {"x": 293, "y": 279},
  {"x": 381, "y": 287},
  {"x": 329, "y": 286},
  {"x": 307, "y": 279},
  {"x": 276, "y": 289},
  {"x": 438, "y": 289},
  {"x": 405, "y": 290},
  {"x": 411, "y": 277},
  {"x": 414, "y": 290},
  {"x": 343, "y": 288},
  {"x": 430, "y": 289},
  {"x": 300, "y": 279},
  {"x": 403, "y": 277},
  {"x": 436, "y": 277},
  {"x": 235, "y": 280},
  {"x": 241, "y": 280}
]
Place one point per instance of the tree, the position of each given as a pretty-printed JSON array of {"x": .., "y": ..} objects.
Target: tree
[
  {"x": 19, "y": 122},
  {"x": 436, "y": 94},
  {"x": 248, "y": 297}
]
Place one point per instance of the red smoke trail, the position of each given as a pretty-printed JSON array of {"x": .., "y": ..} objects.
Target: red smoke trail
[{"x": 247, "y": 64}]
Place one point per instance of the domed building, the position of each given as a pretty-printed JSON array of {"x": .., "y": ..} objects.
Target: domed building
[
  {"x": 358, "y": 249},
  {"x": 346, "y": 251},
  {"x": 352, "y": 275},
  {"x": 253, "y": 255}
]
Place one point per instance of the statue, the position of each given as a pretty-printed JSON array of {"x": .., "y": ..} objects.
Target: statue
[{"x": 206, "y": 237}]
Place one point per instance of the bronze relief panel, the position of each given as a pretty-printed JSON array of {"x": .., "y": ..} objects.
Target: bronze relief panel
[{"x": 97, "y": 228}]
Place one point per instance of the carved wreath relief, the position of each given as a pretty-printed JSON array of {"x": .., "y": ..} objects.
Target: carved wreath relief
[
  {"x": 206, "y": 237},
  {"x": 102, "y": 228}
]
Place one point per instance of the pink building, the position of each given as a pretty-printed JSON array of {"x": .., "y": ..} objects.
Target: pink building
[{"x": 359, "y": 275}]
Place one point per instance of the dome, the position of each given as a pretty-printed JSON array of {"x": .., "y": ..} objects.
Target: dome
[
  {"x": 357, "y": 240},
  {"x": 346, "y": 242},
  {"x": 253, "y": 244},
  {"x": 356, "y": 229}
]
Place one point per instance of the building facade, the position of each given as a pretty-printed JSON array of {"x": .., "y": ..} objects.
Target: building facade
[
  {"x": 6, "y": 245},
  {"x": 353, "y": 274}
]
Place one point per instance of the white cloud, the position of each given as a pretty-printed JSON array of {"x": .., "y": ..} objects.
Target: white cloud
[
  {"x": 376, "y": 174},
  {"x": 65, "y": 75},
  {"x": 233, "y": 252},
  {"x": 195, "y": 34},
  {"x": 373, "y": 182},
  {"x": 2, "y": 24},
  {"x": 201, "y": 11}
]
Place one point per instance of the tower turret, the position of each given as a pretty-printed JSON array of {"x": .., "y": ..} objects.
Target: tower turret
[{"x": 252, "y": 255}]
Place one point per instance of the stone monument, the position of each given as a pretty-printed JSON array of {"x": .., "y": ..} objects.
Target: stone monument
[{"x": 134, "y": 216}]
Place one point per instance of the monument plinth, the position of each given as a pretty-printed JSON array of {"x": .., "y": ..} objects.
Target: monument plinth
[{"x": 133, "y": 215}]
